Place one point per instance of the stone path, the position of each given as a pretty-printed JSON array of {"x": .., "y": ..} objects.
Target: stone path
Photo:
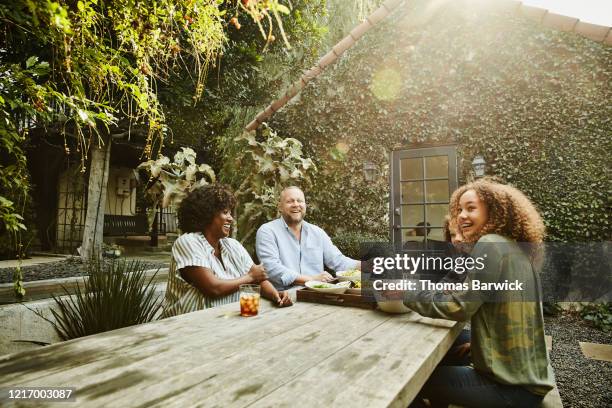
[{"x": 596, "y": 351}]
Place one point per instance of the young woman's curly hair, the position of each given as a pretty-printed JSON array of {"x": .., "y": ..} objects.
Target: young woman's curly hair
[
  {"x": 511, "y": 213},
  {"x": 198, "y": 209}
]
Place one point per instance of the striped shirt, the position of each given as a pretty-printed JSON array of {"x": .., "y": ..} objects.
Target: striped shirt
[{"x": 192, "y": 249}]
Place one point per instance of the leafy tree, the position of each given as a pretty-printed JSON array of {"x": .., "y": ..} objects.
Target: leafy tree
[{"x": 87, "y": 70}]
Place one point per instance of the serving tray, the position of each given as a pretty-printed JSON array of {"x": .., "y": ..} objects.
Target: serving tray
[{"x": 353, "y": 299}]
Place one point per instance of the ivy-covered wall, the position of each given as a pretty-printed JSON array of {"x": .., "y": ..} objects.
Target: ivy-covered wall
[{"x": 534, "y": 101}]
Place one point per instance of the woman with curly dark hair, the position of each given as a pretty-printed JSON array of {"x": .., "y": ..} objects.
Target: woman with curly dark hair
[
  {"x": 510, "y": 365},
  {"x": 207, "y": 266}
]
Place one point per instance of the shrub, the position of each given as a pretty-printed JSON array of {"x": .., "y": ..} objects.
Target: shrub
[
  {"x": 599, "y": 315},
  {"x": 350, "y": 243},
  {"x": 114, "y": 296}
]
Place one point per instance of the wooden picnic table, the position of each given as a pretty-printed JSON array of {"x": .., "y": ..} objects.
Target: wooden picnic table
[{"x": 304, "y": 355}]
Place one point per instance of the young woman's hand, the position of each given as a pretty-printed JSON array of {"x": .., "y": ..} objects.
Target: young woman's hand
[
  {"x": 463, "y": 349},
  {"x": 258, "y": 273}
]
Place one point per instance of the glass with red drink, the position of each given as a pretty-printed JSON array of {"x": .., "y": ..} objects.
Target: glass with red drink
[{"x": 249, "y": 300}]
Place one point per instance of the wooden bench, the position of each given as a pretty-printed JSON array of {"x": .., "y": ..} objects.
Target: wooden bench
[{"x": 124, "y": 225}]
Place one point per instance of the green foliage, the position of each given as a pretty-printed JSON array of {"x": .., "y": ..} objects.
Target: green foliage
[
  {"x": 267, "y": 165},
  {"x": 115, "y": 296},
  {"x": 14, "y": 182},
  {"x": 599, "y": 315},
  {"x": 243, "y": 82},
  {"x": 105, "y": 57},
  {"x": 349, "y": 243},
  {"x": 532, "y": 100},
  {"x": 551, "y": 309},
  {"x": 171, "y": 181},
  {"x": 86, "y": 67}
]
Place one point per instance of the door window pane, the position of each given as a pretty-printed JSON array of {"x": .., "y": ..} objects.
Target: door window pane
[
  {"x": 412, "y": 242},
  {"x": 437, "y": 190},
  {"x": 436, "y": 213},
  {"x": 412, "y": 214},
  {"x": 412, "y": 192},
  {"x": 411, "y": 168},
  {"x": 436, "y": 166},
  {"x": 435, "y": 234}
]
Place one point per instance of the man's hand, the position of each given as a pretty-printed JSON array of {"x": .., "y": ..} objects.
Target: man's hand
[
  {"x": 323, "y": 277},
  {"x": 258, "y": 273},
  {"x": 283, "y": 299}
]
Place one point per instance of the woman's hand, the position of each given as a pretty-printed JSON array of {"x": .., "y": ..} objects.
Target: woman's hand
[
  {"x": 283, "y": 299},
  {"x": 258, "y": 273},
  {"x": 463, "y": 349}
]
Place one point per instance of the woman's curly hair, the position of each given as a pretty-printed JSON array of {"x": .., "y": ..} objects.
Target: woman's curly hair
[
  {"x": 198, "y": 209},
  {"x": 511, "y": 213}
]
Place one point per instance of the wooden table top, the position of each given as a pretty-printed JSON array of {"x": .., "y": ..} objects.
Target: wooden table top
[{"x": 304, "y": 355}]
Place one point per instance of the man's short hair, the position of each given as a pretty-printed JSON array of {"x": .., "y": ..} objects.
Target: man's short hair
[{"x": 280, "y": 197}]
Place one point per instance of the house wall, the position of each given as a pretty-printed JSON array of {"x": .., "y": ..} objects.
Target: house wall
[
  {"x": 120, "y": 200},
  {"x": 534, "y": 102},
  {"x": 121, "y": 192}
]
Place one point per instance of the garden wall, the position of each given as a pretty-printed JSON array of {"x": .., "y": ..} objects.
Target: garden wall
[{"x": 23, "y": 329}]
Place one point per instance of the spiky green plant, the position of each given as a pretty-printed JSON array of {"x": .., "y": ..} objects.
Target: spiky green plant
[{"x": 114, "y": 296}]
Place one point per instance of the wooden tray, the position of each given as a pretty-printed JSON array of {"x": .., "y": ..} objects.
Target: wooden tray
[{"x": 346, "y": 299}]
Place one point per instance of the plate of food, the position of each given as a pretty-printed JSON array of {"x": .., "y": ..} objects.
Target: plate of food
[
  {"x": 350, "y": 275},
  {"x": 326, "y": 287}
]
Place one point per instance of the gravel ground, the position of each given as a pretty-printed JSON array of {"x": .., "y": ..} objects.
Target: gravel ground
[
  {"x": 61, "y": 269},
  {"x": 582, "y": 382}
]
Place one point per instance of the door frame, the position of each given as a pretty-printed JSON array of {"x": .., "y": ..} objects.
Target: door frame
[{"x": 396, "y": 155}]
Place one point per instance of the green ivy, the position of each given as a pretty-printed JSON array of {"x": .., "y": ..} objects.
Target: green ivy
[{"x": 534, "y": 101}]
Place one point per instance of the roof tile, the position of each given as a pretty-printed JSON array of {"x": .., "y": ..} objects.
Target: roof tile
[
  {"x": 608, "y": 39},
  {"x": 593, "y": 31},
  {"x": 559, "y": 22},
  {"x": 346, "y": 43},
  {"x": 533, "y": 13}
]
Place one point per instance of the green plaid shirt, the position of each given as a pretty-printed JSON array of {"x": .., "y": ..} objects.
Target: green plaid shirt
[{"x": 507, "y": 337}]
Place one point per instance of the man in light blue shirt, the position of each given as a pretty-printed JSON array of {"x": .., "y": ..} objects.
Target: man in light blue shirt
[{"x": 294, "y": 251}]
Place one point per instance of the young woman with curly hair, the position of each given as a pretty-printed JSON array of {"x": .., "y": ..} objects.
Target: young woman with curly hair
[
  {"x": 207, "y": 266},
  {"x": 510, "y": 365}
]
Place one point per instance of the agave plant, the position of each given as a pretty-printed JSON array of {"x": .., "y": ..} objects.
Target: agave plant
[
  {"x": 171, "y": 181},
  {"x": 114, "y": 296}
]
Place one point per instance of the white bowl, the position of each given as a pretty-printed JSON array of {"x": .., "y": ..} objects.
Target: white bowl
[
  {"x": 341, "y": 275},
  {"x": 393, "y": 306},
  {"x": 335, "y": 289}
]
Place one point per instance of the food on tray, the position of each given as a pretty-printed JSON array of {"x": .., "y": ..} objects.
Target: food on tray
[
  {"x": 352, "y": 273},
  {"x": 323, "y": 285}
]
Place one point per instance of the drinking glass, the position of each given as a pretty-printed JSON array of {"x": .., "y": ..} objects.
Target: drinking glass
[{"x": 249, "y": 300}]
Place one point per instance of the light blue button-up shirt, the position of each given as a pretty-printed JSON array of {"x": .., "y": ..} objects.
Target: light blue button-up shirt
[{"x": 285, "y": 258}]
